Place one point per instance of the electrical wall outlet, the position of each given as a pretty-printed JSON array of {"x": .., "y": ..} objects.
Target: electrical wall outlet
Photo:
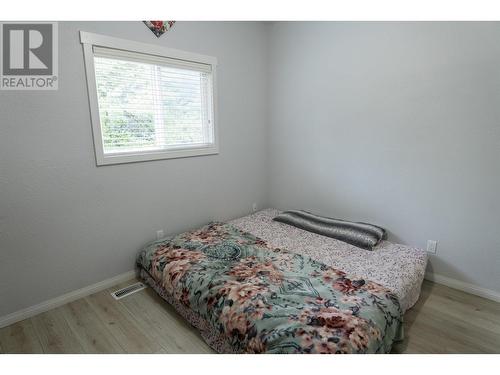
[
  {"x": 160, "y": 234},
  {"x": 431, "y": 246},
  {"x": 254, "y": 207}
]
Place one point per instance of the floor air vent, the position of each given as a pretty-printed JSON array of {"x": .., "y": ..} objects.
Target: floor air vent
[{"x": 128, "y": 290}]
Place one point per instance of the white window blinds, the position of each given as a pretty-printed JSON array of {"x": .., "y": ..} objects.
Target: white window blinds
[{"x": 150, "y": 103}]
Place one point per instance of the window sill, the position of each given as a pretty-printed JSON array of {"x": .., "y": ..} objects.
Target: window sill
[{"x": 122, "y": 158}]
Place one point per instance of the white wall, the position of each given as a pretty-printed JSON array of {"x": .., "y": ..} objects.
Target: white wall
[
  {"x": 397, "y": 124},
  {"x": 65, "y": 223}
]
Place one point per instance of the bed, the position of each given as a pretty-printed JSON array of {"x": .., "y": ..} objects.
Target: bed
[
  {"x": 253, "y": 285},
  {"x": 398, "y": 267}
]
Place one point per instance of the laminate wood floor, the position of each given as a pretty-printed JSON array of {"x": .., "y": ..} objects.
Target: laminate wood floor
[{"x": 444, "y": 320}]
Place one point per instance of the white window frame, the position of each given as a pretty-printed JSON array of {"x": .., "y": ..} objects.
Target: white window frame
[{"x": 91, "y": 40}]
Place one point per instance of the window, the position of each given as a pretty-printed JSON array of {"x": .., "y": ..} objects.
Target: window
[{"x": 148, "y": 102}]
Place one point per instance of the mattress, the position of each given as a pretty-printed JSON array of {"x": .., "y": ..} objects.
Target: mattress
[{"x": 398, "y": 267}]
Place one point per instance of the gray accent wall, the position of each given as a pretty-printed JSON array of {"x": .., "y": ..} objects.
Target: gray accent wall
[
  {"x": 65, "y": 223},
  {"x": 397, "y": 124}
]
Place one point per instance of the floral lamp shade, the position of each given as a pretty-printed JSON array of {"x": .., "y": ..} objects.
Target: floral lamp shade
[{"x": 159, "y": 27}]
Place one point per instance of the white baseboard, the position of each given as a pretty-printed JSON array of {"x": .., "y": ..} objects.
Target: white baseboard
[
  {"x": 464, "y": 287},
  {"x": 94, "y": 288},
  {"x": 65, "y": 298}
]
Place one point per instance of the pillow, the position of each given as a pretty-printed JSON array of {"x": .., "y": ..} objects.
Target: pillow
[{"x": 362, "y": 235}]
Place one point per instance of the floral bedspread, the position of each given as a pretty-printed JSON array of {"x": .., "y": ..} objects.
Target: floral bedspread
[{"x": 268, "y": 300}]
